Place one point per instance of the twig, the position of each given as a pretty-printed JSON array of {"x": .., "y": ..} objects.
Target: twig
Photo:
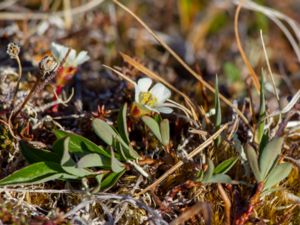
[
  {"x": 195, "y": 152},
  {"x": 201, "y": 207},
  {"x": 227, "y": 203}
]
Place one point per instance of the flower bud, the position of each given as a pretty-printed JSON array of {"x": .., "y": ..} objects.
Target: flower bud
[
  {"x": 47, "y": 65},
  {"x": 13, "y": 50}
]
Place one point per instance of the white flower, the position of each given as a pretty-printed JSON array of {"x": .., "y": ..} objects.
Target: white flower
[
  {"x": 153, "y": 99},
  {"x": 73, "y": 60}
]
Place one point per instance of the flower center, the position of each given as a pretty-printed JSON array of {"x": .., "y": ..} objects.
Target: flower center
[{"x": 146, "y": 98}]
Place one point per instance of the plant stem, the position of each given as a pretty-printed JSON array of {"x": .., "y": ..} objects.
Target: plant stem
[
  {"x": 18, "y": 82},
  {"x": 26, "y": 99},
  {"x": 244, "y": 217}
]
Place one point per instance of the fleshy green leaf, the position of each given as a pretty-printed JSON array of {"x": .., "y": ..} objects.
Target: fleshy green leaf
[
  {"x": 122, "y": 124},
  {"x": 269, "y": 156},
  {"x": 127, "y": 152},
  {"x": 104, "y": 131},
  {"x": 253, "y": 162},
  {"x": 226, "y": 165},
  {"x": 34, "y": 173},
  {"x": 132, "y": 152},
  {"x": 93, "y": 160},
  {"x": 33, "y": 155},
  {"x": 277, "y": 174},
  {"x": 153, "y": 126},
  {"x": 116, "y": 165},
  {"x": 68, "y": 164},
  {"x": 262, "y": 111},
  {"x": 219, "y": 178},
  {"x": 210, "y": 170},
  {"x": 110, "y": 180},
  {"x": 78, "y": 144},
  {"x": 165, "y": 131}
]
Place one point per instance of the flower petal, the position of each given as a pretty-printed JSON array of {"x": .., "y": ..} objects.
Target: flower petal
[
  {"x": 58, "y": 51},
  {"x": 166, "y": 110},
  {"x": 82, "y": 58},
  {"x": 143, "y": 85},
  {"x": 161, "y": 92},
  {"x": 70, "y": 61},
  {"x": 151, "y": 109}
]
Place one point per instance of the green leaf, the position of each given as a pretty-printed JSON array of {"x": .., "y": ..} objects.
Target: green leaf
[
  {"x": 93, "y": 160},
  {"x": 210, "y": 170},
  {"x": 277, "y": 174},
  {"x": 133, "y": 153},
  {"x": 262, "y": 111},
  {"x": 269, "y": 156},
  {"x": 252, "y": 160},
  {"x": 110, "y": 180},
  {"x": 33, "y": 155},
  {"x": 127, "y": 152},
  {"x": 127, "y": 148},
  {"x": 122, "y": 124},
  {"x": 226, "y": 165},
  {"x": 34, "y": 173},
  {"x": 78, "y": 144},
  {"x": 116, "y": 165},
  {"x": 104, "y": 131},
  {"x": 153, "y": 126},
  {"x": 264, "y": 141},
  {"x": 218, "y": 115},
  {"x": 219, "y": 178},
  {"x": 68, "y": 164},
  {"x": 200, "y": 176},
  {"x": 165, "y": 131}
]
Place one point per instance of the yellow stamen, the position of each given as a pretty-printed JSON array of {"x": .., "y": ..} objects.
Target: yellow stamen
[{"x": 146, "y": 98}]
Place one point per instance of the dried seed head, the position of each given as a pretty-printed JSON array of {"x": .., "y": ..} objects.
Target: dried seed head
[
  {"x": 47, "y": 65},
  {"x": 13, "y": 50}
]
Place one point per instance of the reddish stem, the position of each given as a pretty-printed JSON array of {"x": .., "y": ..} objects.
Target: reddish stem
[{"x": 244, "y": 217}]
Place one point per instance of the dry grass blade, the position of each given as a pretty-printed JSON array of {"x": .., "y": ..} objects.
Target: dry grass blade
[
  {"x": 202, "y": 208},
  {"x": 269, "y": 67},
  {"x": 244, "y": 57},
  {"x": 276, "y": 17},
  {"x": 154, "y": 76},
  {"x": 121, "y": 75},
  {"x": 189, "y": 69},
  {"x": 195, "y": 152}
]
